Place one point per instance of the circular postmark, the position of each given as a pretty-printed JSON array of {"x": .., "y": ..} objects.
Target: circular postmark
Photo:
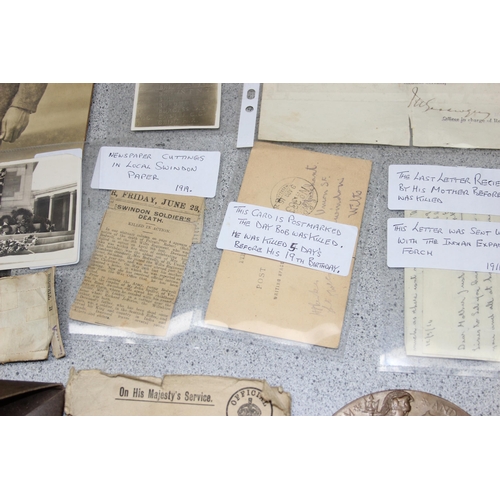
[
  {"x": 248, "y": 402},
  {"x": 295, "y": 195}
]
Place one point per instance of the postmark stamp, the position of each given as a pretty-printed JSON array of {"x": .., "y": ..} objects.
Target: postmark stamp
[
  {"x": 295, "y": 195},
  {"x": 248, "y": 402}
]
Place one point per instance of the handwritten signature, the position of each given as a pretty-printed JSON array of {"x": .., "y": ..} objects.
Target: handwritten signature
[{"x": 418, "y": 102}]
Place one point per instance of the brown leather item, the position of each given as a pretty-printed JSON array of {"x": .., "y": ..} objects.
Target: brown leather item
[{"x": 19, "y": 398}]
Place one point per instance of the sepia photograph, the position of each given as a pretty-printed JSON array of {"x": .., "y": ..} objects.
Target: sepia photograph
[
  {"x": 40, "y": 114},
  {"x": 164, "y": 106},
  {"x": 40, "y": 211}
]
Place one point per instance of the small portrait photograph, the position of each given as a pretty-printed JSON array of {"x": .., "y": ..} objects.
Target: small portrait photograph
[
  {"x": 40, "y": 211},
  {"x": 167, "y": 106},
  {"x": 39, "y": 114}
]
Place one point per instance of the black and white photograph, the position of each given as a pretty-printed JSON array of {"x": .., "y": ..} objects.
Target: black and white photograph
[
  {"x": 40, "y": 114},
  {"x": 165, "y": 106},
  {"x": 40, "y": 202}
]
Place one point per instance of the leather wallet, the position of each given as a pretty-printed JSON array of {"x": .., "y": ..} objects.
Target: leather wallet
[{"x": 31, "y": 398}]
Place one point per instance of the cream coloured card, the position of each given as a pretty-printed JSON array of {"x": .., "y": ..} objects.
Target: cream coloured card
[{"x": 279, "y": 299}]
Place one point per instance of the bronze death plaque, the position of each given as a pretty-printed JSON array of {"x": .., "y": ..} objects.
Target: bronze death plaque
[{"x": 400, "y": 403}]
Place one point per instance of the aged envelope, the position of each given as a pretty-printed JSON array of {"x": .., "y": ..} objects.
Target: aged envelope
[
  {"x": 92, "y": 392},
  {"x": 273, "y": 298},
  {"x": 452, "y": 314},
  {"x": 133, "y": 279},
  {"x": 401, "y": 114},
  {"x": 28, "y": 318}
]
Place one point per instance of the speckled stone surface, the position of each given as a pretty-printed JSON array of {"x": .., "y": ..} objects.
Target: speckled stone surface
[{"x": 321, "y": 381}]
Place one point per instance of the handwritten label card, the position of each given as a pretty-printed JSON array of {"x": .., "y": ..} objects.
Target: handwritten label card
[
  {"x": 190, "y": 173},
  {"x": 444, "y": 244},
  {"x": 444, "y": 189},
  {"x": 288, "y": 237}
]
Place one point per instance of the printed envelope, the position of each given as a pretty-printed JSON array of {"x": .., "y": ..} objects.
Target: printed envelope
[
  {"x": 92, "y": 392},
  {"x": 259, "y": 295}
]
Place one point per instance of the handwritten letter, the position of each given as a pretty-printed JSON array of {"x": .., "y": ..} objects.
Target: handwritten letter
[
  {"x": 452, "y": 314},
  {"x": 401, "y": 114}
]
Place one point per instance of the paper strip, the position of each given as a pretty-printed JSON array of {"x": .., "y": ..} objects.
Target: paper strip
[
  {"x": 287, "y": 237},
  {"x": 248, "y": 115},
  {"x": 460, "y": 245},
  {"x": 190, "y": 173},
  {"x": 444, "y": 189}
]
